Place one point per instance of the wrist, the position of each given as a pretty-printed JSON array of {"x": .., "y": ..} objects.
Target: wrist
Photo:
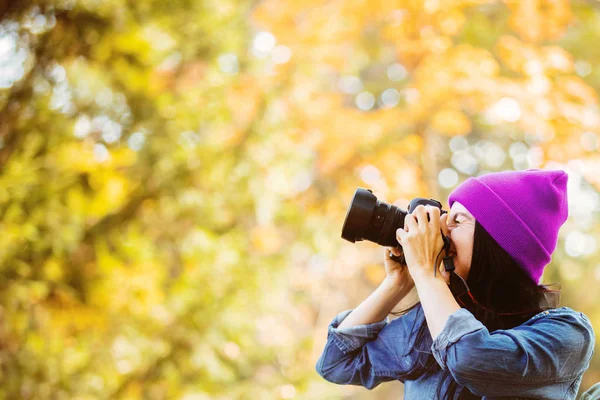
[{"x": 423, "y": 275}]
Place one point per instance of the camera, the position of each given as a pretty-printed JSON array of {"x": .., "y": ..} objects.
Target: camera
[{"x": 376, "y": 221}]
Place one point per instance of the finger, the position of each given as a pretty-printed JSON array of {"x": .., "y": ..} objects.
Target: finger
[
  {"x": 400, "y": 233},
  {"x": 410, "y": 223},
  {"x": 434, "y": 218},
  {"x": 421, "y": 216}
]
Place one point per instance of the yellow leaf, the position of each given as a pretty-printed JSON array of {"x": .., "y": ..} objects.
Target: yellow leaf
[{"x": 53, "y": 270}]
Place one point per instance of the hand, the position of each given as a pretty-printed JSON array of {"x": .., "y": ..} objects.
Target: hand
[
  {"x": 397, "y": 272},
  {"x": 421, "y": 239}
]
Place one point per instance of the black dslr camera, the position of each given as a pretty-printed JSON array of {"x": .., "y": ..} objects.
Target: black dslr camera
[{"x": 376, "y": 221}]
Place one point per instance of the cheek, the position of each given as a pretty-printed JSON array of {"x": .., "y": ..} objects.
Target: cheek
[
  {"x": 464, "y": 250},
  {"x": 460, "y": 242}
]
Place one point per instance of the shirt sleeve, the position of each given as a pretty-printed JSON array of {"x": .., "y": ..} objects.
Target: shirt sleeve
[
  {"x": 350, "y": 339},
  {"x": 552, "y": 347},
  {"x": 592, "y": 393},
  {"x": 368, "y": 354}
]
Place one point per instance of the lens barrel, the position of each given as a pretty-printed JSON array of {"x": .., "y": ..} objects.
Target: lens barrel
[{"x": 376, "y": 221}]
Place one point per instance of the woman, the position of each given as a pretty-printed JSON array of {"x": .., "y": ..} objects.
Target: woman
[{"x": 505, "y": 338}]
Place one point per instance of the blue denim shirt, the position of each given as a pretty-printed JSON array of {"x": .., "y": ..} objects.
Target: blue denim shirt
[{"x": 544, "y": 358}]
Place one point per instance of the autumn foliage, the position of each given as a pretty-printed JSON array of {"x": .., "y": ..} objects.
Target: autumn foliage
[{"x": 174, "y": 175}]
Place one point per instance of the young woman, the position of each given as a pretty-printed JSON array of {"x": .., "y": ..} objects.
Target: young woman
[{"x": 500, "y": 335}]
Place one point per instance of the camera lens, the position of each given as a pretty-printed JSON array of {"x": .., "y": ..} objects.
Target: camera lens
[
  {"x": 377, "y": 221},
  {"x": 373, "y": 220}
]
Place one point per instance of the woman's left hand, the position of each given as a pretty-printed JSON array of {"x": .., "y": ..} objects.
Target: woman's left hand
[{"x": 421, "y": 240}]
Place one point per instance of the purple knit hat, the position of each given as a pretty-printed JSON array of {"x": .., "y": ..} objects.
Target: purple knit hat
[{"x": 521, "y": 210}]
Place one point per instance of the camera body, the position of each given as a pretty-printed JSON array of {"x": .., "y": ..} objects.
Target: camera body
[{"x": 376, "y": 221}]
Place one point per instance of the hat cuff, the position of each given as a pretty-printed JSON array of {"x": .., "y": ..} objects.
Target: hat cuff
[{"x": 501, "y": 222}]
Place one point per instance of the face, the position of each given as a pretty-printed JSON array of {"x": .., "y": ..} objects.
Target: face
[{"x": 461, "y": 227}]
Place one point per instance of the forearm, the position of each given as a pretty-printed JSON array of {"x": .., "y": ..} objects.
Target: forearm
[
  {"x": 377, "y": 306},
  {"x": 436, "y": 299}
]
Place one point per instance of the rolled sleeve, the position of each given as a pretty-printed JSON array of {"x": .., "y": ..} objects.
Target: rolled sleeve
[
  {"x": 592, "y": 393},
  {"x": 546, "y": 354},
  {"x": 354, "y": 337},
  {"x": 459, "y": 324},
  {"x": 369, "y": 354}
]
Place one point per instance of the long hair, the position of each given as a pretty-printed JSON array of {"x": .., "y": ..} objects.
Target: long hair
[{"x": 499, "y": 285}]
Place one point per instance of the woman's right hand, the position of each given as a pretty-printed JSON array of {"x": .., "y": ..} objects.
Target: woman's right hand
[{"x": 397, "y": 272}]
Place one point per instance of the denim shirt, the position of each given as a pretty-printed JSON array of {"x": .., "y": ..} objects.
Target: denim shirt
[{"x": 543, "y": 358}]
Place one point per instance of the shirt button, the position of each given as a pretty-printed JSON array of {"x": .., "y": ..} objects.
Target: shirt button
[{"x": 547, "y": 312}]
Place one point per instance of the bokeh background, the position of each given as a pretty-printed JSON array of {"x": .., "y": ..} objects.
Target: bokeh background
[{"x": 174, "y": 175}]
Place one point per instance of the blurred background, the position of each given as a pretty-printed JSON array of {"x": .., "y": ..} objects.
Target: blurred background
[{"x": 174, "y": 175}]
